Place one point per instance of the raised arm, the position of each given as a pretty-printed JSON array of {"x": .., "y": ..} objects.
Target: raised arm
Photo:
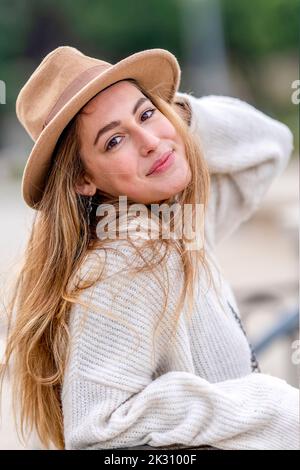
[
  {"x": 113, "y": 396},
  {"x": 245, "y": 150}
]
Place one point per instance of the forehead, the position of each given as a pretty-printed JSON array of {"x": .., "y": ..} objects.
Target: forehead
[{"x": 119, "y": 93}]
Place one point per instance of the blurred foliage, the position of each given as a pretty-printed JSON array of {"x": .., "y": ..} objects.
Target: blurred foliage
[
  {"x": 117, "y": 28},
  {"x": 29, "y": 29},
  {"x": 255, "y": 31},
  {"x": 256, "y": 28},
  {"x": 113, "y": 29},
  {"x": 14, "y": 27}
]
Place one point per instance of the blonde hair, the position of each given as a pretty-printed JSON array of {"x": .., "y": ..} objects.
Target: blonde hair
[{"x": 60, "y": 240}]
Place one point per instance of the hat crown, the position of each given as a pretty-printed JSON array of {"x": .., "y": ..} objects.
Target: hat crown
[{"x": 51, "y": 80}]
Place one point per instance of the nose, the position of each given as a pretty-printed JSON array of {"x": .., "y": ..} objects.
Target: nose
[{"x": 148, "y": 142}]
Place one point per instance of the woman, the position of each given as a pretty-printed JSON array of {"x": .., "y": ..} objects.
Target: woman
[{"x": 123, "y": 337}]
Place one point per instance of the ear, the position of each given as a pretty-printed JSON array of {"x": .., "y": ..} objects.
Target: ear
[{"x": 85, "y": 186}]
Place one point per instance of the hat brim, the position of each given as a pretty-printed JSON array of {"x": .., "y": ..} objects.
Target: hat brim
[{"x": 156, "y": 70}]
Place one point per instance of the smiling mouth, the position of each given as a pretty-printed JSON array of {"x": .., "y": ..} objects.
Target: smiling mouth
[{"x": 163, "y": 163}]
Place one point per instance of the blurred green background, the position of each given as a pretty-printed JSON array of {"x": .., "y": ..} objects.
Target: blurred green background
[{"x": 231, "y": 47}]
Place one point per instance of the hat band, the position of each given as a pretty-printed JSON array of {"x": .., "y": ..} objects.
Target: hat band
[{"x": 73, "y": 88}]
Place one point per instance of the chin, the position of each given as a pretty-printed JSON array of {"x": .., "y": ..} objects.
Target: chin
[
  {"x": 161, "y": 197},
  {"x": 179, "y": 186}
]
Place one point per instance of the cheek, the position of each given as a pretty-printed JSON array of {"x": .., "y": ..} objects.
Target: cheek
[
  {"x": 122, "y": 177},
  {"x": 122, "y": 168},
  {"x": 167, "y": 130},
  {"x": 126, "y": 168}
]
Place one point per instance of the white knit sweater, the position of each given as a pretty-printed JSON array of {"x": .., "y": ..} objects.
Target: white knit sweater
[{"x": 121, "y": 388}]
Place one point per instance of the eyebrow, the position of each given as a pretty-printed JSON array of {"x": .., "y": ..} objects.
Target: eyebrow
[{"x": 114, "y": 124}]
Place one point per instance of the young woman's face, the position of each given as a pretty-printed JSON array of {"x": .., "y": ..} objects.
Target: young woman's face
[{"x": 122, "y": 136}]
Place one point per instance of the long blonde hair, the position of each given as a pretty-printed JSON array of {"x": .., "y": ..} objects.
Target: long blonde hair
[{"x": 60, "y": 239}]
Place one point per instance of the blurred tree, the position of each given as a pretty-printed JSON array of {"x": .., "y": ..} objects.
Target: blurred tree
[
  {"x": 116, "y": 28},
  {"x": 29, "y": 29},
  {"x": 14, "y": 25},
  {"x": 13, "y": 34},
  {"x": 112, "y": 29},
  {"x": 260, "y": 35},
  {"x": 257, "y": 28}
]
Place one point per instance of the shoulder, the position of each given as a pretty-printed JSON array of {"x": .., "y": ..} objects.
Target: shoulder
[{"x": 138, "y": 259}]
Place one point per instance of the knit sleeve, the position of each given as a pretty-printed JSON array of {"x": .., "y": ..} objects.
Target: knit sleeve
[
  {"x": 113, "y": 397},
  {"x": 245, "y": 151}
]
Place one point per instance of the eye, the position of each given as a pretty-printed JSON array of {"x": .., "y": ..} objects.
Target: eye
[
  {"x": 109, "y": 146},
  {"x": 152, "y": 111}
]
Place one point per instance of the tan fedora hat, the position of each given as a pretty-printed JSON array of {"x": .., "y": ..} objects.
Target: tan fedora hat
[{"x": 63, "y": 83}]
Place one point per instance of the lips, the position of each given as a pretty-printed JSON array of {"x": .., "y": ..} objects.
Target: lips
[{"x": 159, "y": 162}]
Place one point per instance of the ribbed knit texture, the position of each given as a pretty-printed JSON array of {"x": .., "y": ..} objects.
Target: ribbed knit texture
[{"x": 122, "y": 388}]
